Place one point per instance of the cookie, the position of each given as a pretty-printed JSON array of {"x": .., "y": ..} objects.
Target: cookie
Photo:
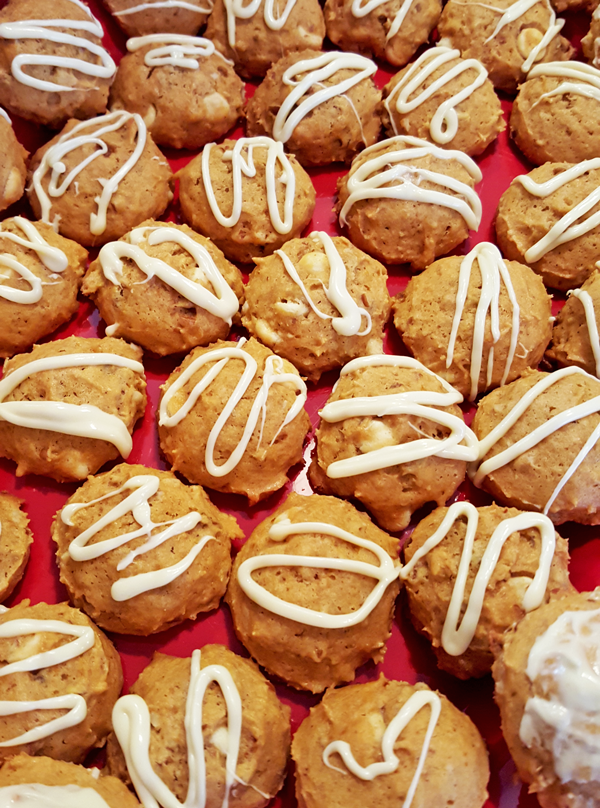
[
  {"x": 590, "y": 44},
  {"x": 138, "y": 18},
  {"x": 187, "y": 92},
  {"x": 70, "y": 406},
  {"x": 575, "y": 334},
  {"x": 302, "y": 593},
  {"x": 319, "y": 302},
  {"x": 165, "y": 287},
  {"x": 15, "y": 542},
  {"x": 237, "y": 426},
  {"x": 13, "y": 170}
]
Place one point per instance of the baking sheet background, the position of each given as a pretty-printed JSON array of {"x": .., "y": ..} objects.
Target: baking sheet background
[{"x": 409, "y": 656}]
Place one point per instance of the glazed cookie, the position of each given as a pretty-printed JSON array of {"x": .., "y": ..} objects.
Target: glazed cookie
[
  {"x": 319, "y": 301},
  {"x": 215, "y": 707},
  {"x": 323, "y": 106},
  {"x": 514, "y": 562},
  {"x": 444, "y": 99},
  {"x": 13, "y": 170},
  {"x": 247, "y": 196},
  {"x": 238, "y": 425},
  {"x": 139, "y": 18},
  {"x": 392, "y": 436},
  {"x": 477, "y": 321},
  {"x": 538, "y": 445},
  {"x": 40, "y": 276},
  {"x": 386, "y": 29},
  {"x": 590, "y": 43},
  {"x": 408, "y": 201},
  {"x": 44, "y": 781},
  {"x": 63, "y": 677},
  {"x": 165, "y": 287},
  {"x": 549, "y": 219},
  {"x": 575, "y": 339},
  {"x": 302, "y": 592},
  {"x": 99, "y": 178},
  {"x": 508, "y": 37},
  {"x": 52, "y": 63},
  {"x": 180, "y": 538},
  {"x": 255, "y": 35},
  {"x": 15, "y": 543},
  {"x": 187, "y": 92},
  {"x": 70, "y": 406},
  {"x": 556, "y": 114},
  {"x": 416, "y": 747},
  {"x": 547, "y": 668}
]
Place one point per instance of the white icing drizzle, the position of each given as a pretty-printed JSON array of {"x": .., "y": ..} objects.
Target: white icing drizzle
[
  {"x": 45, "y": 30},
  {"x": 444, "y": 123},
  {"x": 244, "y": 166},
  {"x": 220, "y": 302},
  {"x": 5, "y": 115},
  {"x": 568, "y": 227},
  {"x": 176, "y": 50},
  {"x": 384, "y": 573},
  {"x": 273, "y": 374},
  {"x": 360, "y": 10},
  {"x": 568, "y": 416},
  {"x": 141, "y": 7},
  {"x": 349, "y": 323},
  {"x": 592, "y": 326},
  {"x": 131, "y": 721},
  {"x": 564, "y": 665},
  {"x": 36, "y": 795},
  {"x": 386, "y": 175},
  {"x": 82, "y": 420},
  {"x": 582, "y": 79},
  {"x": 306, "y": 74},
  {"x": 493, "y": 270},
  {"x": 83, "y": 134},
  {"x": 456, "y": 639},
  {"x": 142, "y": 487},
  {"x": 419, "y": 403},
  {"x": 52, "y": 258},
  {"x": 390, "y": 762},
  {"x": 236, "y": 9},
  {"x": 73, "y": 702}
]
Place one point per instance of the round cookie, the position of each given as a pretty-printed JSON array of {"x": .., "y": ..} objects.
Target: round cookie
[
  {"x": 444, "y": 99},
  {"x": 388, "y": 29},
  {"x": 97, "y": 179},
  {"x": 237, "y": 426},
  {"x": 575, "y": 333},
  {"x": 70, "y": 406},
  {"x": 445, "y": 318},
  {"x": 247, "y": 196},
  {"x": 255, "y": 35},
  {"x": 548, "y": 667},
  {"x": 590, "y": 44},
  {"x": 538, "y": 445},
  {"x": 40, "y": 276},
  {"x": 139, "y": 18},
  {"x": 63, "y": 703},
  {"x": 308, "y": 624},
  {"x": 59, "y": 72},
  {"x": 405, "y": 200},
  {"x": 241, "y": 730},
  {"x": 165, "y": 287},
  {"x": 187, "y": 93},
  {"x": 549, "y": 220},
  {"x": 15, "y": 543},
  {"x": 556, "y": 114},
  {"x": 396, "y": 757},
  {"x": 323, "y": 106},
  {"x": 13, "y": 170},
  {"x": 516, "y": 562},
  {"x": 392, "y": 436},
  {"x": 174, "y": 565},
  {"x": 508, "y": 37},
  {"x": 319, "y": 301},
  {"x": 42, "y": 778}
]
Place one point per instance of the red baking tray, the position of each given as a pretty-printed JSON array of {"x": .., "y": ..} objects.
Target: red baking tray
[{"x": 409, "y": 656}]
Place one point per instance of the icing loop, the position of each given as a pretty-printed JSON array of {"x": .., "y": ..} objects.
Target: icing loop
[
  {"x": 235, "y": 9},
  {"x": 244, "y": 167},
  {"x": 582, "y": 79},
  {"x": 359, "y": 10},
  {"x": 36, "y": 795},
  {"x": 153, "y": 4},
  {"x": 419, "y": 403},
  {"x": 456, "y": 639},
  {"x": 386, "y": 176},
  {"x": 52, "y": 258},
  {"x": 592, "y": 326},
  {"x": 273, "y": 374},
  {"x": 176, "y": 50},
  {"x": 45, "y": 30}
]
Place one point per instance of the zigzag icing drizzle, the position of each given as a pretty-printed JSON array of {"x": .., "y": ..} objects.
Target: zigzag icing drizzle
[
  {"x": 52, "y": 258},
  {"x": 360, "y": 10},
  {"x": 237, "y": 9},
  {"x": 582, "y": 79},
  {"x": 176, "y": 50},
  {"x": 36, "y": 795},
  {"x": 590, "y": 319}
]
